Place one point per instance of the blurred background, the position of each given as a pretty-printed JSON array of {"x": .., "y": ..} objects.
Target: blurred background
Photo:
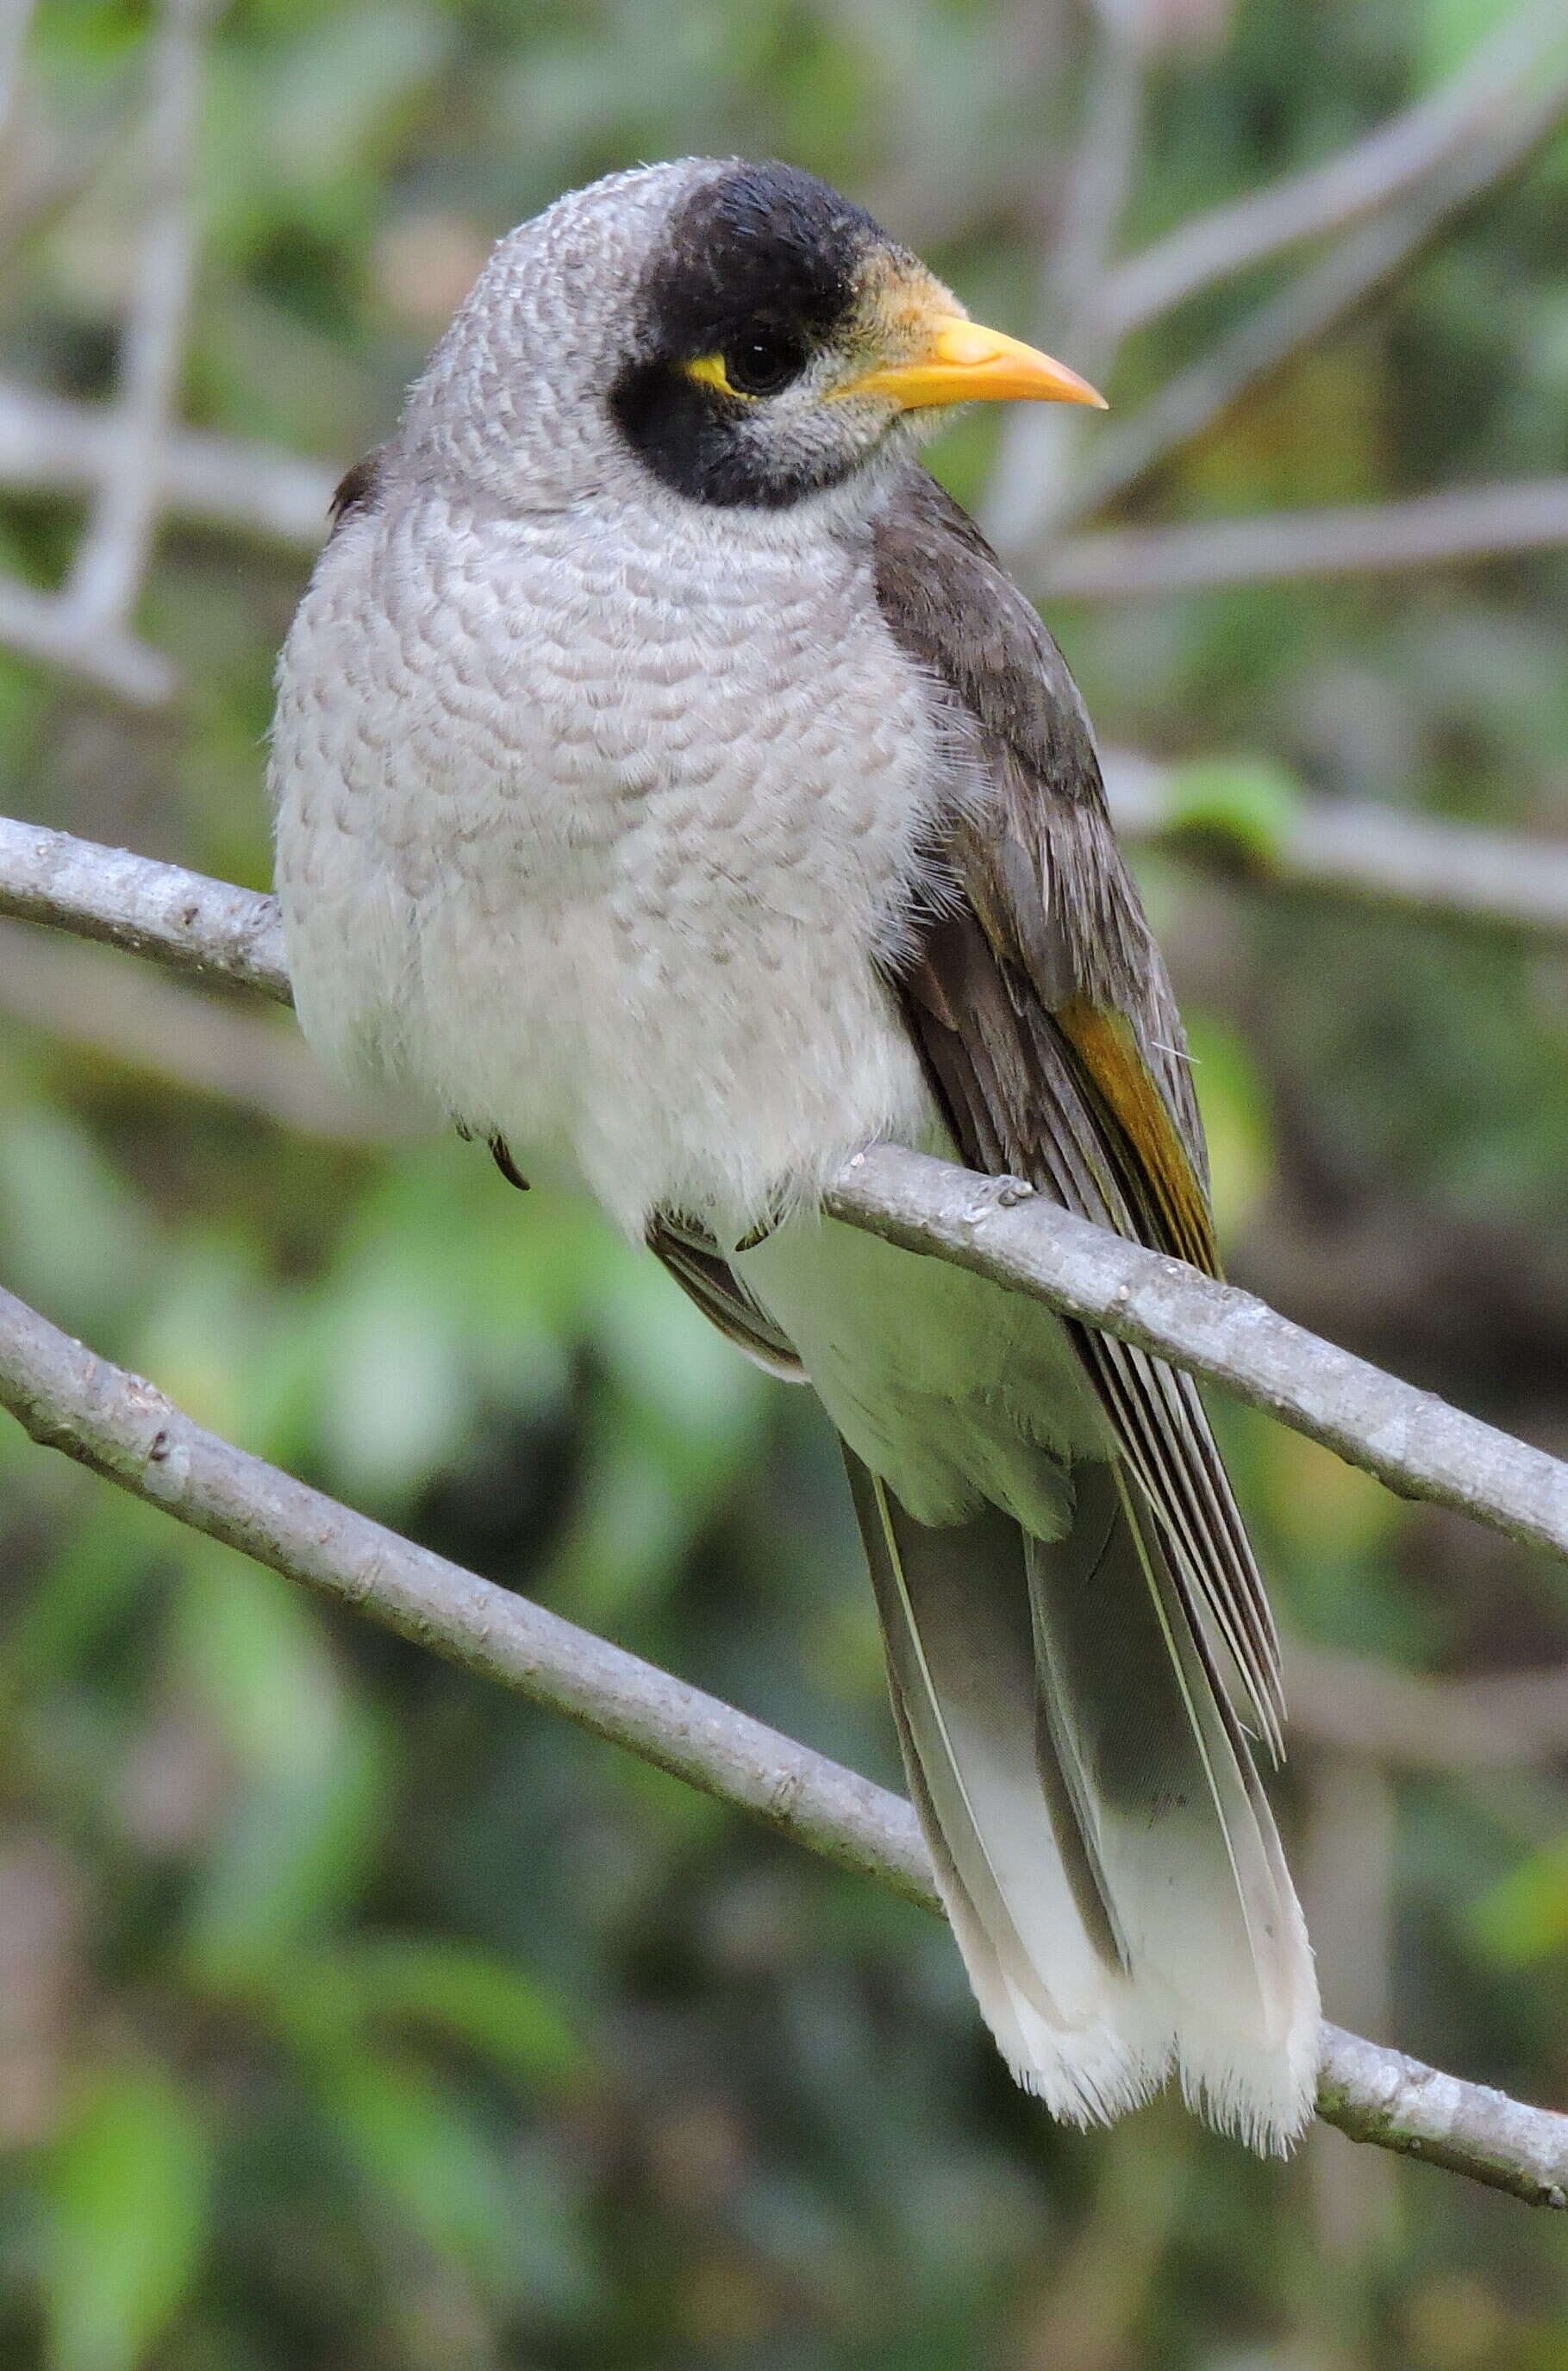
[{"x": 354, "y": 2015}]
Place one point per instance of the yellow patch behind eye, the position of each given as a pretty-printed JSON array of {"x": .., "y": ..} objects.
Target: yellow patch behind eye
[{"x": 709, "y": 370}]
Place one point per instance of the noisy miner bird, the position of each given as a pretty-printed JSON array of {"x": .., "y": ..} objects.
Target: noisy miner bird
[{"x": 669, "y": 777}]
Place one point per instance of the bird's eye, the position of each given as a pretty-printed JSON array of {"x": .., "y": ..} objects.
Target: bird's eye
[{"x": 762, "y": 361}]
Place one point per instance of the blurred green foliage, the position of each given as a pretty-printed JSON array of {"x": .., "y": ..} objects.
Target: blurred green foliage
[{"x": 353, "y": 2015}]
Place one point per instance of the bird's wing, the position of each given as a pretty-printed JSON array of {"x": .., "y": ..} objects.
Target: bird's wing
[
  {"x": 699, "y": 1268},
  {"x": 1047, "y": 1022}
]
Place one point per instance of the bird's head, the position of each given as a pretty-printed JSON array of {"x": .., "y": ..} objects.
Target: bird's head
[{"x": 739, "y": 333}]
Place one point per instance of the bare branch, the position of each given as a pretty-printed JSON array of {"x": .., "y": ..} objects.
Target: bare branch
[
  {"x": 124, "y": 1428},
  {"x": 113, "y": 552},
  {"x": 41, "y": 626},
  {"x": 202, "y": 1045},
  {"x": 1345, "y": 188},
  {"x": 1380, "y": 2095},
  {"x": 54, "y": 445},
  {"x": 1414, "y": 1442},
  {"x": 1312, "y": 303},
  {"x": 1372, "y": 539},
  {"x": 1414, "y": 1722},
  {"x": 16, "y": 16},
  {"x": 181, "y": 918},
  {"x": 1033, "y": 463},
  {"x": 1353, "y": 848}
]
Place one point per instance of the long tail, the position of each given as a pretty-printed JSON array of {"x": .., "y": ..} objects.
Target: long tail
[{"x": 1109, "y": 1864}]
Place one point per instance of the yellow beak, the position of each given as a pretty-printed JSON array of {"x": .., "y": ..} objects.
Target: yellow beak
[{"x": 962, "y": 362}]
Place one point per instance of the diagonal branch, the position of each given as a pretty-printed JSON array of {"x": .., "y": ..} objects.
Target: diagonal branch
[
  {"x": 123, "y": 1427},
  {"x": 1345, "y": 190},
  {"x": 1038, "y": 441},
  {"x": 1410, "y": 1439},
  {"x": 184, "y": 919},
  {"x": 1309, "y": 305},
  {"x": 113, "y": 552}
]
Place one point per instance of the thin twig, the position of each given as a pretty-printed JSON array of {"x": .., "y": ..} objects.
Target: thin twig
[
  {"x": 57, "y": 445},
  {"x": 1033, "y": 457},
  {"x": 40, "y": 626},
  {"x": 1412, "y": 1440},
  {"x": 166, "y": 1030},
  {"x": 1415, "y": 1443},
  {"x": 1350, "y": 848},
  {"x": 1312, "y": 303},
  {"x": 124, "y": 1428},
  {"x": 16, "y": 18},
  {"x": 1345, "y": 190},
  {"x": 1439, "y": 530},
  {"x": 113, "y": 552}
]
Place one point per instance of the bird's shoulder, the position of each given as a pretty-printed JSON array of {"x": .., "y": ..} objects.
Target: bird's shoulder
[
  {"x": 951, "y": 604},
  {"x": 359, "y": 488},
  {"x": 1044, "y": 913}
]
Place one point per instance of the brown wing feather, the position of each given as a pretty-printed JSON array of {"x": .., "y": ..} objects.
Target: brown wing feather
[
  {"x": 1047, "y": 1022},
  {"x": 699, "y": 1268}
]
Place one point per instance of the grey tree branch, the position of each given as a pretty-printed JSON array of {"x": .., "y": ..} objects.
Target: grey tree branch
[
  {"x": 83, "y": 628},
  {"x": 1371, "y": 539},
  {"x": 123, "y": 1427},
  {"x": 181, "y": 918},
  {"x": 1416, "y": 1443},
  {"x": 1413, "y": 1441},
  {"x": 1345, "y": 190}
]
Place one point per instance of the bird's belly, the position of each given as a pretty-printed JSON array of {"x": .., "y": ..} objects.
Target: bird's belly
[
  {"x": 611, "y": 978},
  {"x": 600, "y": 850},
  {"x": 676, "y": 1040}
]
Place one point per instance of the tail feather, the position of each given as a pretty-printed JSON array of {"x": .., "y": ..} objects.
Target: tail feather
[{"x": 1102, "y": 1843}]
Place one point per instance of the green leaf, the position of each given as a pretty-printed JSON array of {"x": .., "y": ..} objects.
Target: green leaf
[
  {"x": 1448, "y": 33},
  {"x": 1233, "y": 1099},
  {"x": 1244, "y": 801},
  {"x": 127, "y": 2196},
  {"x": 506, "y": 2216},
  {"x": 497, "y": 2010},
  {"x": 1523, "y": 1919},
  {"x": 311, "y": 1792}
]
